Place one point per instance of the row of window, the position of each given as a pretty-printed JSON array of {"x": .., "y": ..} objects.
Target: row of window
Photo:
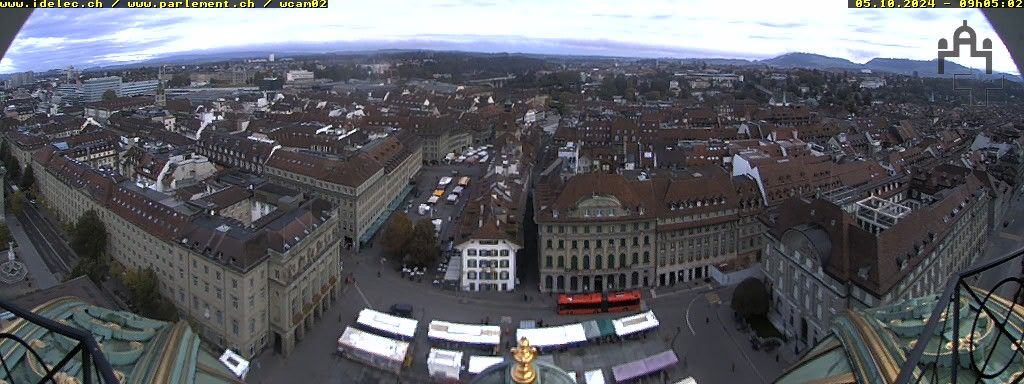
[
  {"x": 473, "y": 263},
  {"x": 599, "y": 243},
  {"x": 574, "y": 229},
  {"x": 472, "y": 275},
  {"x": 486, "y": 252},
  {"x": 599, "y": 261}
]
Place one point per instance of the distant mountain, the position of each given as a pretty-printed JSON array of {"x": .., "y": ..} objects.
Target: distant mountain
[
  {"x": 923, "y": 68},
  {"x": 928, "y": 68},
  {"x": 810, "y": 60}
]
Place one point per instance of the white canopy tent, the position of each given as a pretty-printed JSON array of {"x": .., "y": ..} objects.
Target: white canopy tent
[
  {"x": 637, "y": 323},
  {"x": 234, "y": 362},
  {"x": 381, "y": 352},
  {"x": 392, "y": 325},
  {"x": 594, "y": 377},
  {"x": 478, "y": 364},
  {"x": 564, "y": 335},
  {"x": 445, "y": 364},
  {"x": 465, "y": 333}
]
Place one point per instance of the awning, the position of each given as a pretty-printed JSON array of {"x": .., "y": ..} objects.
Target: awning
[{"x": 383, "y": 218}]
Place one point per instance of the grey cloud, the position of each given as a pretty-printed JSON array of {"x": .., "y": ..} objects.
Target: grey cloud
[
  {"x": 74, "y": 24},
  {"x": 773, "y": 38},
  {"x": 862, "y": 54},
  {"x": 866, "y": 30},
  {"x": 780, "y": 25},
  {"x": 877, "y": 43},
  {"x": 660, "y": 17}
]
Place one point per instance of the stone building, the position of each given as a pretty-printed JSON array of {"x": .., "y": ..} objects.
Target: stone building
[
  {"x": 365, "y": 185},
  {"x": 707, "y": 218},
  {"x": 245, "y": 286},
  {"x": 597, "y": 233},
  {"x": 895, "y": 241}
]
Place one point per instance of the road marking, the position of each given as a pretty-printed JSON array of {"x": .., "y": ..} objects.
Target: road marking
[
  {"x": 688, "y": 306},
  {"x": 355, "y": 284},
  {"x": 677, "y": 292},
  {"x": 1007, "y": 235}
]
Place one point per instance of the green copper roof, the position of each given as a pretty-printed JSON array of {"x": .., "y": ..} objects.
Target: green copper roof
[
  {"x": 874, "y": 344},
  {"x": 141, "y": 350}
]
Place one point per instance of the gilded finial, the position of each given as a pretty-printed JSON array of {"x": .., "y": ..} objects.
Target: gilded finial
[{"x": 523, "y": 372}]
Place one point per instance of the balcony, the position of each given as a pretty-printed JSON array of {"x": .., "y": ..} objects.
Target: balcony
[{"x": 84, "y": 361}]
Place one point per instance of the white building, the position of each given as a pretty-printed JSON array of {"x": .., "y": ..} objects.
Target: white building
[
  {"x": 137, "y": 88},
  {"x": 297, "y": 76},
  {"x": 488, "y": 261},
  {"x": 93, "y": 89}
]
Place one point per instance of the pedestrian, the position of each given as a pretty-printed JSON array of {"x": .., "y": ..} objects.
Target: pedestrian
[
  {"x": 734, "y": 367},
  {"x": 707, "y": 320},
  {"x": 776, "y": 357}
]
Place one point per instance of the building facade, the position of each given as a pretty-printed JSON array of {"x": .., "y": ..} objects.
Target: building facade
[
  {"x": 901, "y": 241},
  {"x": 365, "y": 186},
  {"x": 246, "y": 287},
  {"x": 488, "y": 264},
  {"x": 93, "y": 89},
  {"x": 139, "y": 88},
  {"x": 707, "y": 219},
  {"x": 597, "y": 234}
]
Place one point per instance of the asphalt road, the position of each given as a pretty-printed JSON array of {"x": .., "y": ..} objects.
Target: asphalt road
[{"x": 52, "y": 247}]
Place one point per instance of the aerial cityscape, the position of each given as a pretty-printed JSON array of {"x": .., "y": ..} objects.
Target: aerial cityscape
[{"x": 510, "y": 203}]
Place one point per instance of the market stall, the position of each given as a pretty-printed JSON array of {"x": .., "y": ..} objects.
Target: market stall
[{"x": 377, "y": 351}]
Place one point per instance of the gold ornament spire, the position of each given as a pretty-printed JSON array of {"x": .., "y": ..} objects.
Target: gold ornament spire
[{"x": 524, "y": 354}]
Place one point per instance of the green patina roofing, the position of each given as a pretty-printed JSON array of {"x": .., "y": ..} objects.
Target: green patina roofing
[
  {"x": 142, "y": 349},
  {"x": 864, "y": 342}
]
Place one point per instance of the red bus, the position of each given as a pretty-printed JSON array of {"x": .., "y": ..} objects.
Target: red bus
[
  {"x": 583, "y": 304},
  {"x": 628, "y": 301}
]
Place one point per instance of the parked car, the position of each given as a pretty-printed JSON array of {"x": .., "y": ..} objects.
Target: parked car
[{"x": 401, "y": 310}]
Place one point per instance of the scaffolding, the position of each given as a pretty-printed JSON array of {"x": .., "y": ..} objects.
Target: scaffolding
[{"x": 876, "y": 214}]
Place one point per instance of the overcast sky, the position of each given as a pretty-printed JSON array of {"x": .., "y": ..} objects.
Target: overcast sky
[{"x": 750, "y": 29}]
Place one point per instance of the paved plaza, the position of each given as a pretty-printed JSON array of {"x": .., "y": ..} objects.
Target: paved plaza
[{"x": 708, "y": 345}]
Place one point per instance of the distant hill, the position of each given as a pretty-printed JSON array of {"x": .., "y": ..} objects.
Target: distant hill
[
  {"x": 923, "y": 68},
  {"x": 810, "y": 60}
]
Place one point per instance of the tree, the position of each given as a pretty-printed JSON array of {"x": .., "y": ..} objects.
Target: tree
[
  {"x": 95, "y": 269},
  {"x": 17, "y": 202},
  {"x": 751, "y": 298},
  {"x": 145, "y": 292},
  {"x": 11, "y": 163},
  {"x": 397, "y": 234},
  {"x": 109, "y": 95},
  {"x": 5, "y": 236},
  {"x": 28, "y": 179},
  {"x": 89, "y": 238},
  {"x": 179, "y": 80},
  {"x": 422, "y": 247}
]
